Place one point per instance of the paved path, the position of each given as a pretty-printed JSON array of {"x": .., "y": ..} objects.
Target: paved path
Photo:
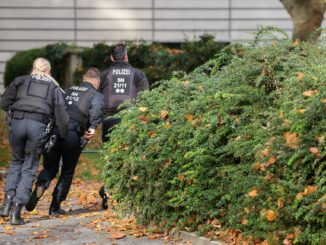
[
  {"x": 85, "y": 223},
  {"x": 70, "y": 230}
]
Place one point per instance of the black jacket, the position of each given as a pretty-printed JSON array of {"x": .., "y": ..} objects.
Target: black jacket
[
  {"x": 37, "y": 94},
  {"x": 84, "y": 104},
  {"x": 121, "y": 82}
]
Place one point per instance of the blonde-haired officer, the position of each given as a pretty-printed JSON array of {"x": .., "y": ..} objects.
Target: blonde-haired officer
[{"x": 32, "y": 102}]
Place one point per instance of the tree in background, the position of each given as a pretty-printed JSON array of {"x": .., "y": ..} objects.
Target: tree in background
[{"x": 306, "y": 15}]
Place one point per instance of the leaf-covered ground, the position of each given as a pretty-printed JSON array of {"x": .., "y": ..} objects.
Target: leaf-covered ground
[{"x": 86, "y": 222}]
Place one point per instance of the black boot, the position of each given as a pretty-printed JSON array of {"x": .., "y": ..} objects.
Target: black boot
[
  {"x": 6, "y": 206},
  {"x": 15, "y": 218},
  {"x": 35, "y": 197},
  {"x": 55, "y": 209},
  {"x": 104, "y": 197}
]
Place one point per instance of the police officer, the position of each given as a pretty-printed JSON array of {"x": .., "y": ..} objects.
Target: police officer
[
  {"x": 84, "y": 106},
  {"x": 120, "y": 82},
  {"x": 32, "y": 101}
]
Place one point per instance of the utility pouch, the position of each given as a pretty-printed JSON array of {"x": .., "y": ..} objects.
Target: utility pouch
[{"x": 50, "y": 143}]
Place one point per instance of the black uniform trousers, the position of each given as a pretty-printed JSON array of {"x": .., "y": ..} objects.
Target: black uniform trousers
[
  {"x": 26, "y": 137},
  {"x": 68, "y": 150},
  {"x": 107, "y": 126}
]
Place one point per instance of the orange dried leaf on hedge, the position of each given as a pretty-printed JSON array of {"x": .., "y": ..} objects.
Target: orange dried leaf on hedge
[
  {"x": 320, "y": 138},
  {"x": 143, "y": 109},
  {"x": 256, "y": 166},
  {"x": 292, "y": 140},
  {"x": 310, "y": 92},
  {"x": 189, "y": 118},
  {"x": 272, "y": 160},
  {"x": 300, "y": 111},
  {"x": 151, "y": 134},
  {"x": 265, "y": 152},
  {"x": 299, "y": 196},
  {"x": 314, "y": 150},
  {"x": 310, "y": 189},
  {"x": 253, "y": 193},
  {"x": 164, "y": 114},
  {"x": 271, "y": 215},
  {"x": 300, "y": 76},
  {"x": 280, "y": 203},
  {"x": 181, "y": 177},
  {"x": 167, "y": 125},
  {"x": 143, "y": 119}
]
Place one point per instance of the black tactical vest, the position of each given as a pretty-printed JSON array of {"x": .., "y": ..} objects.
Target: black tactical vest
[
  {"x": 120, "y": 87},
  {"x": 78, "y": 100},
  {"x": 35, "y": 95}
]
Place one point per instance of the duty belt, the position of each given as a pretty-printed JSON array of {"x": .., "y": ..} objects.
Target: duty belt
[{"x": 42, "y": 118}]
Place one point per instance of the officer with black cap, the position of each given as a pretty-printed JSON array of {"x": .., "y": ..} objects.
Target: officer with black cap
[
  {"x": 84, "y": 106},
  {"x": 32, "y": 102},
  {"x": 120, "y": 82}
]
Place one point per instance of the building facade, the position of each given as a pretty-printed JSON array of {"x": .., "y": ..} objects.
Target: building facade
[{"x": 26, "y": 24}]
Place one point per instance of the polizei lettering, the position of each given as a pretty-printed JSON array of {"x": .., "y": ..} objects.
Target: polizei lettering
[
  {"x": 83, "y": 89},
  {"x": 121, "y": 71}
]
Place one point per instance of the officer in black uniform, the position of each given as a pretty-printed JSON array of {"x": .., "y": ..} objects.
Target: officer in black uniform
[
  {"x": 120, "y": 82},
  {"x": 32, "y": 101},
  {"x": 84, "y": 106}
]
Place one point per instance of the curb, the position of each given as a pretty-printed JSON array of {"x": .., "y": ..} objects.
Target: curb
[{"x": 195, "y": 239}]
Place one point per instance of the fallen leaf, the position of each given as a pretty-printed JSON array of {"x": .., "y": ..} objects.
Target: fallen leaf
[
  {"x": 300, "y": 111},
  {"x": 256, "y": 166},
  {"x": 272, "y": 160},
  {"x": 270, "y": 215},
  {"x": 265, "y": 152},
  {"x": 134, "y": 177},
  {"x": 181, "y": 177},
  {"x": 315, "y": 151},
  {"x": 151, "y": 134},
  {"x": 164, "y": 114},
  {"x": 215, "y": 222},
  {"x": 310, "y": 92},
  {"x": 143, "y": 119},
  {"x": 310, "y": 189},
  {"x": 143, "y": 109},
  {"x": 117, "y": 235},
  {"x": 189, "y": 118},
  {"x": 280, "y": 203},
  {"x": 292, "y": 140},
  {"x": 299, "y": 196},
  {"x": 253, "y": 193},
  {"x": 167, "y": 125},
  {"x": 300, "y": 76}
]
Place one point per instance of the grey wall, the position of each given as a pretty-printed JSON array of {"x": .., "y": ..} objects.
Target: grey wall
[{"x": 26, "y": 24}]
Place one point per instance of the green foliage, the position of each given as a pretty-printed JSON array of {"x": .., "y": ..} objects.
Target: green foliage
[
  {"x": 156, "y": 60},
  {"x": 21, "y": 64},
  {"x": 241, "y": 139}
]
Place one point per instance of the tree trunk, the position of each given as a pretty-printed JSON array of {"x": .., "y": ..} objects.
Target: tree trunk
[{"x": 306, "y": 15}]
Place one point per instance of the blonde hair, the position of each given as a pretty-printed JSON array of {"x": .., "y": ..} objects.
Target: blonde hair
[{"x": 42, "y": 66}]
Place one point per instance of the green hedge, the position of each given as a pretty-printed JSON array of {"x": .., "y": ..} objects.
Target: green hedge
[
  {"x": 242, "y": 146},
  {"x": 156, "y": 60},
  {"x": 21, "y": 63}
]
